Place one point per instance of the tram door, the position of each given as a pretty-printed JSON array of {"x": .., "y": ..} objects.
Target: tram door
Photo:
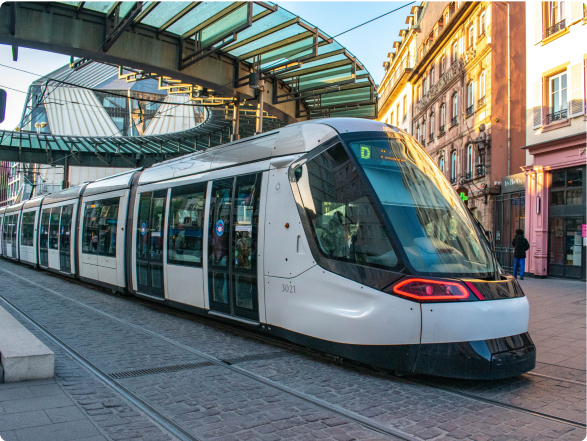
[
  {"x": 65, "y": 239},
  {"x": 232, "y": 246},
  {"x": 150, "y": 243},
  {"x": 44, "y": 237}
]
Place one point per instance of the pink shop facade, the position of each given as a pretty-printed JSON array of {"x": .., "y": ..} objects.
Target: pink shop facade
[{"x": 555, "y": 208}]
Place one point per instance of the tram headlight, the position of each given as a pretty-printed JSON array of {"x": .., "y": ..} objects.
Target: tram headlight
[{"x": 425, "y": 290}]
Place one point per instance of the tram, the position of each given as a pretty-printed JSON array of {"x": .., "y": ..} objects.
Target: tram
[{"x": 339, "y": 234}]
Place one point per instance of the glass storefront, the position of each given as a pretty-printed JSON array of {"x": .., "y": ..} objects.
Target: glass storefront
[{"x": 566, "y": 249}]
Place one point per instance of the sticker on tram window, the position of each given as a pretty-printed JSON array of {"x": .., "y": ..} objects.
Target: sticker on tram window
[
  {"x": 220, "y": 228},
  {"x": 143, "y": 229}
]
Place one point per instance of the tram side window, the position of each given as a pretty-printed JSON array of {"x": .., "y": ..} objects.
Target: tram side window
[
  {"x": 344, "y": 220},
  {"x": 186, "y": 225},
  {"x": 28, "y": 229},
  {"x": 90, "y": 231},
  {"x": 54, "y": 228},
  {"x": 108, "y": 224},
  {"x": 44, "y": 231},
  {"x": 99, "y": 230}
]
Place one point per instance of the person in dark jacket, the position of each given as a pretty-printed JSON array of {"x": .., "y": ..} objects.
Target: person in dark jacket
[{"x": 521, "y": 245}]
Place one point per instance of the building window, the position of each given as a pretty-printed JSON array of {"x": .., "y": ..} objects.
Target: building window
[
  {"x": 442, "y": 65},
  {"x": 482, "y": 23},
  {"x": 455, "y": 47},
  {"x": 482, "y": 84},
  {"x": 556, "y": 12},
  {"x": 397, "y": 114},
  {"x": 469, "y": 161},
  {"x": 441, "y": 164},
  {"x": 470, "y": 94},
  {"x": 558, "y": 97},
  {"x": 432, "y": 126},
  {"x": 421, "y": 54},
  {"x": 405, "y": 107},
  {"x": 424, "y": 86},
  {"x": 432, "y": 72},
  {"x": 446, "y": 17},
  {"x": 418, "y": 132},
  {"x": 471, "y": 36},
  {"x": 454, "y": 109},
  {"x": 442, "y": 117},
  {"x": 391, "y": 118},
  {"x": 453, "y": 167},
  {"x": 423, "y": 140}
]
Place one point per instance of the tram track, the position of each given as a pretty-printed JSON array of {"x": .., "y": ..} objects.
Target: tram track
[{"x": 162, "y": 420}]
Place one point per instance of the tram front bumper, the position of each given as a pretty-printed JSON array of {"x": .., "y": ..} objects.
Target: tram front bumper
[{"x": 478, "y": 360}]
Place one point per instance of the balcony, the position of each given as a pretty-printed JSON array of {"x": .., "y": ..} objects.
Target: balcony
[
  {"x": 556, "y": 116},
  {"x": 470, "y": 110},
  {"x": 479, "y": 170},
  {"x": 481, "y": 102},
  {"x": 556, "y": 28},
  {"x": 454, "y": 120}
]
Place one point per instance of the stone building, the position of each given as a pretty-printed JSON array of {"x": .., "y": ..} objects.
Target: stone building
[
  {"x": 468, "y": 88},
  {"x": 555, "y": 138}
]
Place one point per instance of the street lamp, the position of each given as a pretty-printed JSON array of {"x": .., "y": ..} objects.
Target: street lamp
[{"x": 40, "y": 125}]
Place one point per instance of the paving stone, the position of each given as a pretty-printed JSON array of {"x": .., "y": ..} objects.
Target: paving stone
[{"x": 64, "y": 414}]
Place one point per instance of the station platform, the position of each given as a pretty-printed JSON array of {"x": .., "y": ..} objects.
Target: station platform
[{"x": 129, "y": 369}]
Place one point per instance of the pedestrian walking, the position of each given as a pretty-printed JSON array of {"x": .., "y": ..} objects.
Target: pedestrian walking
[{"x": 521, "y": 245}]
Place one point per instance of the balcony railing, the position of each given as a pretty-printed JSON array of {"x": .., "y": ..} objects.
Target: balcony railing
[
  {"x": 441, "y": 130},
  {"x": 432, "y": 136},
  {"x": 556, "y": 116},
  {"x": 454, "y": 120},
  {"x": 468, "y": 175},
  {"x": 470, "y": 110},
  {"x": 480, "y": 170},
  {"x": 556, "y": 28},
  {"x": 481, "y": 102}
]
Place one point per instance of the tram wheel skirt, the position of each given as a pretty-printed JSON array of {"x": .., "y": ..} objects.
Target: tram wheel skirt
[{"x": 475, "y": 360}]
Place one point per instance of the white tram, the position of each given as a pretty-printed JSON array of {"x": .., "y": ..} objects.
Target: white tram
[{"x": 341, "y": 235}]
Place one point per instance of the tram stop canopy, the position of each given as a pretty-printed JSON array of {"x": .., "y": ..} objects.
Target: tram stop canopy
[{"x": 244, "y": 62}]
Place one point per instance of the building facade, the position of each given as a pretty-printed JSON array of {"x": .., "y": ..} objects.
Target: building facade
[
  {"x": 468, "y": 88},
  {"x": 555, "y": 138}
]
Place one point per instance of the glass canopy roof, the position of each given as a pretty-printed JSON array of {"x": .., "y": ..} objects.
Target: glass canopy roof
[{"x": 316, "y": 70}]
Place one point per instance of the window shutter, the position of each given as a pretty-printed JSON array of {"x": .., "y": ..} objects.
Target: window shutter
[
  {"x": 577, "y": 101},
  {"x": 538, "y": 27},
  {"x": 576, "y": 12},
  {"x": 537, "y": 104}
]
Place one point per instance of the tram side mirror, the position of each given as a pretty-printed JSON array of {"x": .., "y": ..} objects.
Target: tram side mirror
[
  {"x": 2, "y": 105},
  {"x": 298, "y": 173}
]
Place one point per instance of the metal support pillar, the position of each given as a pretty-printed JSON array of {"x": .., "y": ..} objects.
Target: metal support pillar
[
  {"x": 236, "y": 118},
  {"x": 65, "y": 183},
  {"x": 259, "y": 113}
]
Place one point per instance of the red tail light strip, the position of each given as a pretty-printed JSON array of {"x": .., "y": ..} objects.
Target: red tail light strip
[
  {"x": 475, "y": 290},
  {"x": 464, "y": 294}
]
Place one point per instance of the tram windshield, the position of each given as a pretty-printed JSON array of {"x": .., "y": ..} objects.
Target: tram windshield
[{"x": 430, "y": 222}]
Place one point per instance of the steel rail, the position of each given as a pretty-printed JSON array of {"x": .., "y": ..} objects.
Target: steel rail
[
  {"x": 348, "y": 414},
  {"x": 363, "y": 421},
  {"x": 158, "y": 417}
]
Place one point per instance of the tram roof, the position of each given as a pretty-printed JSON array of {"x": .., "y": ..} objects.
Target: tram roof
[{"x": 289, "y": 140}]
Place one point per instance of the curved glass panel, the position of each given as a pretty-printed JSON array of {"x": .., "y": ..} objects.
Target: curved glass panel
[
  {"x": 341, "y": 211},
  {"x": 430, "y": 221}
]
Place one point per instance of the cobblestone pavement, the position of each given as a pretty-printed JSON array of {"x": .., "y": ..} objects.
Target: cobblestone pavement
[{"x": 213, "y": 402}]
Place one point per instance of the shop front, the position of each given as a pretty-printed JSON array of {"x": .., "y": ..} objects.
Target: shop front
[
  {"x": 555, "y": 209},
  {"x": 509, "y": 215}
]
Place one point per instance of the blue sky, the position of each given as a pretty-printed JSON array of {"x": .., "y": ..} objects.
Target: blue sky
[{"x": 370, "y": 43}]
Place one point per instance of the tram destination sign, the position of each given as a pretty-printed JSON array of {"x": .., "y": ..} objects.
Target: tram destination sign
[{"x": 513, "y": 183}]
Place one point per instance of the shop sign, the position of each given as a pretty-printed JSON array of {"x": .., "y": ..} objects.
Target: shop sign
[
  {"x": 584, "y": 230},
  {"x": 513, "y": 183}
]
